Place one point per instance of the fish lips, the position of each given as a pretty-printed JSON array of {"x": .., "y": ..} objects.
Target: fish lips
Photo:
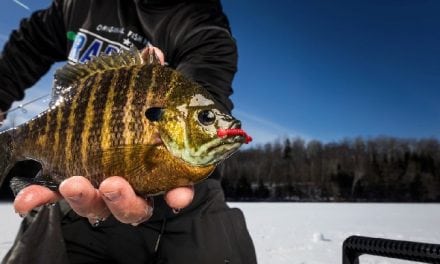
[{"x": 234, "y": 134}]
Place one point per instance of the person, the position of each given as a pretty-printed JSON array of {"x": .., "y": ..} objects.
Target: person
[{"x": 111, "y": 224}]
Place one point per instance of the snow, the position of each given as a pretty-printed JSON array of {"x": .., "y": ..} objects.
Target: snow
[
  {"x": 313, "y": 233},
  {"x": 9, "y": 224},
  {"x": 309, "y": 233}
]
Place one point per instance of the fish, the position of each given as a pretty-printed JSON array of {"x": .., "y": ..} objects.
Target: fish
[{"x": 124, "y": 114}]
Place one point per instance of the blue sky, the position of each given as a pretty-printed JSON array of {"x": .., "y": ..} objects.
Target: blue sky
[{"x": 322, "y": 69}]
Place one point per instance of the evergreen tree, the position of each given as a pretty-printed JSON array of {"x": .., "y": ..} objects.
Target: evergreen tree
[
  {"x": 262, "y": 192},
  {"x": 243, "y": 190}
]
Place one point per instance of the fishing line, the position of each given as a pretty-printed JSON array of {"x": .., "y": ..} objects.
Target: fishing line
[
  {"x": 22, "y": 106},
  {"x": 21, "y": 4}
]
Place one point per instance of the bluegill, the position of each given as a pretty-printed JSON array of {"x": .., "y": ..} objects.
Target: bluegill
[{"x": 124, "y": 115}]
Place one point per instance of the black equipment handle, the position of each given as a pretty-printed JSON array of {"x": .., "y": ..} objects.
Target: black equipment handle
[{"x": 354, "y": 246}]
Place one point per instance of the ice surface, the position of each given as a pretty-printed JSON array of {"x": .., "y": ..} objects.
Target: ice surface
[
  {"x": 310, "y": 233},
  {"x": 9, "y": 224},
  {"x": 313, "y": 233}
]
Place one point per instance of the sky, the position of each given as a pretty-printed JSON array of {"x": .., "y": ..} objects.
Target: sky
[{"x": 318, "y": 69}]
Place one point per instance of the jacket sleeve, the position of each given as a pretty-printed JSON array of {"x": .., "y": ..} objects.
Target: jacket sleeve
[
  {"x": 207, "y": 53},
  {"x": 31, "y": 50}
]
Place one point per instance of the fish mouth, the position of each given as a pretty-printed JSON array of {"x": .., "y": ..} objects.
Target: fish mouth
[
  {"x": 219, "y": 149},
  {"x": 228, "y": 141},
  {"x": 233, "y": 135}
]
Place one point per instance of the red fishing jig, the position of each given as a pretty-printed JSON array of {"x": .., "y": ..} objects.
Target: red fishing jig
[{"x": 222, "y": 133}]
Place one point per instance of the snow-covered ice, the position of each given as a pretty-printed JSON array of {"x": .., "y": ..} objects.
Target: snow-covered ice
[
  {"x": 310, "y": 233},
  {"x": 313, "y": 233},
  {"x": 9, "y": 224}
]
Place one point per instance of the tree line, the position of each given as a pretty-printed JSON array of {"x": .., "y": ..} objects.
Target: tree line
[{"x": 383, "y": 169}]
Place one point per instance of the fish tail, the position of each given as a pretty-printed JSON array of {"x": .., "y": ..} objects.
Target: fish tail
[
  {"x": 7, "y": 159},
  {"x": 13, "y": 165}
]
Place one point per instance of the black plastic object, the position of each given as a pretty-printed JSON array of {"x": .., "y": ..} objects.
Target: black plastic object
[{"x": 354, "y": 246}]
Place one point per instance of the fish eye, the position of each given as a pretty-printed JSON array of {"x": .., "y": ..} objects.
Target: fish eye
[{"x": 206, "y": 117}]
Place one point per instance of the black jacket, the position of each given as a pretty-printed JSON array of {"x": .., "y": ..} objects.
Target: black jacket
[{"x": 194, "y": 36}]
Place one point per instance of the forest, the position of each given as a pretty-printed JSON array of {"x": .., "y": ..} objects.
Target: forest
[{"x": 380, "y": 169}]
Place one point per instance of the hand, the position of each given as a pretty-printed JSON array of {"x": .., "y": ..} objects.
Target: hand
[
  {"x": 153, "y": 51},
  {"x": 114, "y": 196}
]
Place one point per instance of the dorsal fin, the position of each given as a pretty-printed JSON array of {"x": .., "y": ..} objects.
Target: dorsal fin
[{"x": 71, "y": 73}]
